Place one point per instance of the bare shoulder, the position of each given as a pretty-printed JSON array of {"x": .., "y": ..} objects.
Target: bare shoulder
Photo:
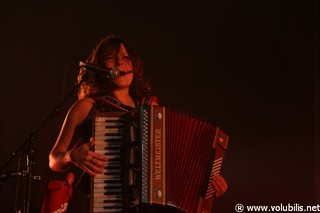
[
  {"x": 80, "y": 109},
  {"x": 86, "y": 102}
]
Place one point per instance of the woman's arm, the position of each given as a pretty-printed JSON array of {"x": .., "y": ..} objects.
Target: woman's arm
[{"x": 61, "y": 157}]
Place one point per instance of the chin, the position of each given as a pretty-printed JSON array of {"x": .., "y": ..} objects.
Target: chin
[
  {"x": 121, "y": 86},
  {"x": 122, "y": 83}
]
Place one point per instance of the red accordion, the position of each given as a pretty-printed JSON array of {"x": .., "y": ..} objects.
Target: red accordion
[{"x": 170, "y": 163}]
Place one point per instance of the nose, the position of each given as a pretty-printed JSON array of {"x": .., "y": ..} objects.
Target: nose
[{"x": 118, "y": 61}]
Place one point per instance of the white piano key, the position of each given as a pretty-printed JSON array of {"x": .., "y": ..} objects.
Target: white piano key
[
  {"x": 99, "y": 180},
  {"x": 110, "y": 157},
  {"x": 108, "y": 151},
  {"x": 105, "y": 130},
  {"x": 106, "y": 185},
  {"x": 108, "y": 118},
  {"x": 107, "y": 144},
  {"x": 108, "y": 177},
  {"x": 101, "y": 195},
  {"x": 102, "y": 190}
]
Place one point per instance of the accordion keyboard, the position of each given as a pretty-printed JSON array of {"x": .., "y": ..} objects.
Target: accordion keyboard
[{"x": 107, "y": 187}]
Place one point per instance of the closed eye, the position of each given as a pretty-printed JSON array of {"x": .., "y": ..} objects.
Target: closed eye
[{"x": 109, "y": 57}]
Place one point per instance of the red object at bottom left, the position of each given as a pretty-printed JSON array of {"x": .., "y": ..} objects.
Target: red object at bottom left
[{"x": 57, "y": 195}]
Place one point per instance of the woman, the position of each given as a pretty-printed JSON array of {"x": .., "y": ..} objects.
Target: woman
[{"x": 126, "y": 92}]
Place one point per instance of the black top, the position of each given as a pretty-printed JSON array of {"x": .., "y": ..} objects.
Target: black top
[{"x": 83, "y": 134}]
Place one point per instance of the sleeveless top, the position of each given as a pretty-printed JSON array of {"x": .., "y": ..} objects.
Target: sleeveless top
[{"x": 84, "y": 132}]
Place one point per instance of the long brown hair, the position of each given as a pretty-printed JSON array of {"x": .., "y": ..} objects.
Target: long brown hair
[{"x": 97, "y": 84}]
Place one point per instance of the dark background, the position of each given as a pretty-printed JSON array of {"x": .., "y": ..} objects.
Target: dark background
[{"x": 250, "y": 67}]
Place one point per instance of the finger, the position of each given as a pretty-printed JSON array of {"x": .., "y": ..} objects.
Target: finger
[
  {"x": 216, "y": 180},
  {"x": 86, "y": 146},
  {"x": 216, "y": 187},
  {"x": 219, "y": 184},
  {"x": 88, "y": 170},
  {"x": 98, "y": 163},
  {"x": 91, "y": 142},
  {"x": 100, "y": 157},
  {"x": 94, "y": 168},
  {"x": 223, "y": 181},
  {"x": 219, "y": 179}
]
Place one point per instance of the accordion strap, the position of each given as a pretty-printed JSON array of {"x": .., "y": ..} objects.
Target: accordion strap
[
  {"x": 150, "y": 100},
  {"x": 110, "y": 101}
]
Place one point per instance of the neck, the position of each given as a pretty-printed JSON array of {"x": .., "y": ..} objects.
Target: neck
[{"x": 123, "y": 96}]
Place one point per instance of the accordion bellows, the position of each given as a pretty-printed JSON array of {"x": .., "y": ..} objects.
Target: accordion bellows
[{"x": 171, "y": 162}]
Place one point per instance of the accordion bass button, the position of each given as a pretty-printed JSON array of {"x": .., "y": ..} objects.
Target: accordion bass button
[
  {"x": 132, "y": 134},
  {"x": 132, "y": 156},
  {"x": 132, "y": 177}
]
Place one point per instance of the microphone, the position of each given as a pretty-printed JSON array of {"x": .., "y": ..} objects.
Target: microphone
[{"x": 112, "y": 73}]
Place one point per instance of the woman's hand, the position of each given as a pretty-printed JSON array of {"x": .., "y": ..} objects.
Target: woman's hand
[
  {"x": 91, "y": 162},
  {"x": 220, "y": 185}
]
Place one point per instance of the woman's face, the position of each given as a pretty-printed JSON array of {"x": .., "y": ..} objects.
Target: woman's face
[{"x": 122, "y": 62}]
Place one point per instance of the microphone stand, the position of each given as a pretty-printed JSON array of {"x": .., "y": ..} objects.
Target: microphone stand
[{"x": 27, "y": 148}]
